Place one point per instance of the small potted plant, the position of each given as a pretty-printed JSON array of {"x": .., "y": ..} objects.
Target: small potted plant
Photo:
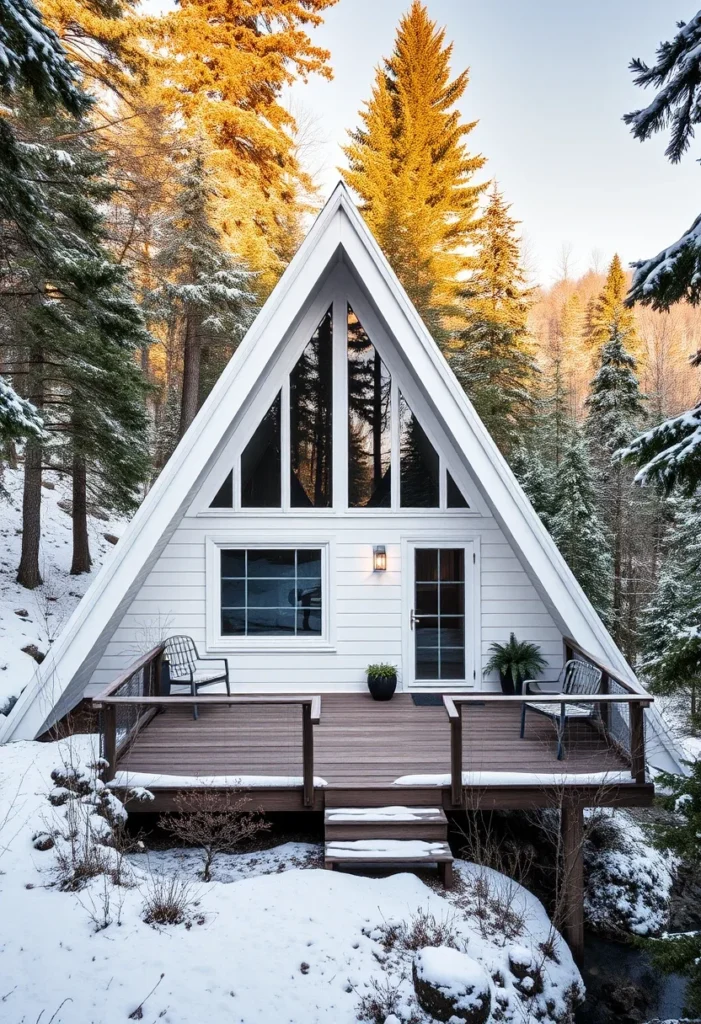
[
  {"x": 515, "y": 661},
  {"x": 382, "y": 681}
]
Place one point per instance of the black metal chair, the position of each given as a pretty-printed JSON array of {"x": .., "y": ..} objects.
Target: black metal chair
[
  {"x": 183, "y": 660},
  {"x": 577, "y": 677}
]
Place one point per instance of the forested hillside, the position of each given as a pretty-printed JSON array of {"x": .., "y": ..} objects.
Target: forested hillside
[{"x": 152, "y": 190}]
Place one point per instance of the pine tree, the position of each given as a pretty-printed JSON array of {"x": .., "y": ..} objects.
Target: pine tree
[
  {"x": 671, "y": 644},
  {"x": 576, "y": 526},
  {"x": 223, "y": 71},
  {"x": 205, "y": 292},
  {"x": 69, "y": 312},
  {"x": 680, "y": 832},
  {"x": 615, "y": 413},
  {"x": 675, "y": 273},
  {"x": 535, "y": 475},
  {"x": 496, "y": 365},
  {"x": 409, "y": 164},
  {"x": 610, "y": 311}
]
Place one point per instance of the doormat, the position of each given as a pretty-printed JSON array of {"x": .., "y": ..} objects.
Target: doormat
[{"x": 427, "y": 700}]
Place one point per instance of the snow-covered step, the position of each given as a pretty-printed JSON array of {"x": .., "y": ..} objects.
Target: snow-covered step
[
  {"x": 390, "y": 852},
  {"x": 391, "y": 822}
]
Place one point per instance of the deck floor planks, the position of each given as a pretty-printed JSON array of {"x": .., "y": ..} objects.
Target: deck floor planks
[{"x": 359, "y": 741}]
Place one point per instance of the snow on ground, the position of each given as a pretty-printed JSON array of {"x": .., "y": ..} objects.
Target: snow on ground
[
  {"x": 273, "y": 940},
  {"x": 35, "y": 617}
]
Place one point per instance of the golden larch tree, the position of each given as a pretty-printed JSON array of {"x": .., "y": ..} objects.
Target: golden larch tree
[
  {"x": 610, "y": 309},
  {"x": 409, "y": 164}
]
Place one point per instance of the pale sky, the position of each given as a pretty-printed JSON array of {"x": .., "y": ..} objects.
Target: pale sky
[{"x": 549, "y": 82}]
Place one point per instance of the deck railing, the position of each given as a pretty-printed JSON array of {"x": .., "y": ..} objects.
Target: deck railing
[
  {"x": 129, "y": 703},
  {"x": 621, "y": 718}
]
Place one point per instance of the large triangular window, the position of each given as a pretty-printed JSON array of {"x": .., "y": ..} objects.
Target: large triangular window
[
  {"x": 369, "y": 422},
  {"x": 311, "y": 436},
  {"x": 392, "y": 462}
]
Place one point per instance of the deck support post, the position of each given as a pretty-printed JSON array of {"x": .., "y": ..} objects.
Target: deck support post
[
  {"x": 456, "y": 758},
  {"x": 571, "y": 892},
  {"x": 637, "y": 742},
  {"x": 308, "y": 755},
  {"x": 109, "y": 731}
]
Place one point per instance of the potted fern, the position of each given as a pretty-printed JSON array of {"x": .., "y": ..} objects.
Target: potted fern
[
  {"x": 382, "y": 681},
  {"x": 515, "y": 661}
]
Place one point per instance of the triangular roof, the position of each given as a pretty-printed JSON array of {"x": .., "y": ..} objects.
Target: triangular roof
[{"x": 339, "y": 233}]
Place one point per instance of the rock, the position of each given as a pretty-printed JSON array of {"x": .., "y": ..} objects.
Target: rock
[
  {"x": 451, "y": 986},
  {"x": 49, "y": 485},
  {"x": 110, "y": 538},
  {"x": 523, "y": 966},
  {"x": 22, "y": 612},
  {"x": 66, "y": 506},
  {"x": 42, "y": 841},
  {"x": 33, "y": 651}
]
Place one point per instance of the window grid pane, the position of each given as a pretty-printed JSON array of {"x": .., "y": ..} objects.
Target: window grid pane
[{"x": 263, "y": 612}]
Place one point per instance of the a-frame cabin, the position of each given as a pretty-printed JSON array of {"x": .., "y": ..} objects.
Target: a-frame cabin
[{"x": 336, "y": 503}]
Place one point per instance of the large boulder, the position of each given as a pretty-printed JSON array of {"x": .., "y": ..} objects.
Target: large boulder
[{"x": 450, "y": 985}]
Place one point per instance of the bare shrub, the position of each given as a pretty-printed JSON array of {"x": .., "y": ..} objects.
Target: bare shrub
[
  {"x": 168, "y": 899},
  {"x": 105, "y": 906},
  {"x": 384, "y": 1000},
  {"x": 422, "y": 929},
  {"x": 212, "y": 827}
]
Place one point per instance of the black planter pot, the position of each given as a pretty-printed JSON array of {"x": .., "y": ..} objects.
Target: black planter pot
[
  {"x": 382, "y": 687},
  {"x": 507, "y": 685}
]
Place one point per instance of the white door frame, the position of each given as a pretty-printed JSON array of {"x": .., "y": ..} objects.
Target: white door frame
[{"x": 473, "y": 634}]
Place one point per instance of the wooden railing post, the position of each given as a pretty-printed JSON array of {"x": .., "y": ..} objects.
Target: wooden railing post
[
  {"x": 454, "y": 711},
  {"x": 308, "y": 754},
  {"x": 637, "y": 742},
  {"x": 109, "y": 731}
]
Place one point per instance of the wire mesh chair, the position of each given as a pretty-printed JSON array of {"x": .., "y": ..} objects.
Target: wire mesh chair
[
  {"x": 577, "y": 677},
  {"x": 183, "y": 661}
]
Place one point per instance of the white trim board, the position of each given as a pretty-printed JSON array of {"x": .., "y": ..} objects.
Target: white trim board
[{"x": 338, "y": 234}]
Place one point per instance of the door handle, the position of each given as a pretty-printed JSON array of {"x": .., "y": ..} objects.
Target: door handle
[{"x": 414, "y": 618}]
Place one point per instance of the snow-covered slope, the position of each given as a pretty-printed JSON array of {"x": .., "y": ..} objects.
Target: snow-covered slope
[
  {"x": 35, "y": 617},
  {"x": 272, "y": 940}
]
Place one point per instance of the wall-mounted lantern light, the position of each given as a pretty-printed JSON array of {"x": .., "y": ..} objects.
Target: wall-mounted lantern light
[{"x": 379, "y": 558}]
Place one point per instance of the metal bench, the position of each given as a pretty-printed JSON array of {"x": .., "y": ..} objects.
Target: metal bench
[
  {"x": 183, "y": 660},
  {"x": 576, "y": 678}
]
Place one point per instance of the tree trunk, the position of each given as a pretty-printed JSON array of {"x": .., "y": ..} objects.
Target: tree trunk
[
  {"x": 191, "y": 376},
  {"x": 28, "y": 574},
  {"x": 81, "y": 545}
]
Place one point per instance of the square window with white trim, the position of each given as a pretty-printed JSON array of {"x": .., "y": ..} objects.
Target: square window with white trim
[{"x": 271, "y": 592}]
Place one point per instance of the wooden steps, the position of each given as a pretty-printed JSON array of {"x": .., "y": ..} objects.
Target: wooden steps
[
  {"x": 389, "y": 835},
  {"x": 347, "y": 823}
]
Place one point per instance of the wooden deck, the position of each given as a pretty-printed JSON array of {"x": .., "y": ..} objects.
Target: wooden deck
[{"x": 361, "y": 747}]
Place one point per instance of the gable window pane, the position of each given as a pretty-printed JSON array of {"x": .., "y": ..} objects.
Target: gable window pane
[
  {"x": 310, "y": 421},
  {"x": 261, "y": 470},
  {"x": 456, "y": 498},
  {"x": 271, "y": 592},
  {"x": 369, "y": 422},
  {"x": 418, "y": 462},
  {"x": 224, "y": 498}
]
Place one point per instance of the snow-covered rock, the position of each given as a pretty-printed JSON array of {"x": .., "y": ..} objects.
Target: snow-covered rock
[{"x": 451, "y": 985}]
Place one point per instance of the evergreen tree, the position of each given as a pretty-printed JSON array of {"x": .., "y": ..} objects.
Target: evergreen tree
[
  {"x": 496, "y": 366},
  {"x": 681, "y": 833},
  {"x": 576, "y": 526},
  {"x": 615, "y": 413},
  {"x": 224, "y": 67},
  {"x": 409, "y": 164},
  {"x": 609, "y": 311},
  {"x": 68, "y": 310},
  {"x": 535, "y": 474},
  {"x": 675, "y": 273},
  {"x": 671, "y": 644},
  {"x": 205, "y": 291}
]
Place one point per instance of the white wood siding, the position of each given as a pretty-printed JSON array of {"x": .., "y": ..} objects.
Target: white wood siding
[{"x": 368, "y": 606}]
